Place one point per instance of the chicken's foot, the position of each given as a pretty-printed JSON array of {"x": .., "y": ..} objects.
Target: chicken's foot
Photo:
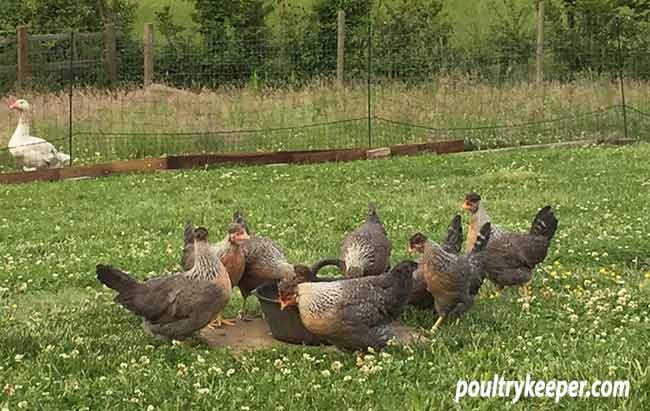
[{"x": 219, "y": 322}]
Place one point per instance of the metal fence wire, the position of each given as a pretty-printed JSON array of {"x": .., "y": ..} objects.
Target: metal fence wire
[{"x": 104, "y": 96}]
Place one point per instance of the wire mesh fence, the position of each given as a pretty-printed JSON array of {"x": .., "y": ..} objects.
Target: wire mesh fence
[{"x": 104, "y": 96}]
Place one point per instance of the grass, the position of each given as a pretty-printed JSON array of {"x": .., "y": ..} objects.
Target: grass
[
  {"x": 181, "y": 10},
  {"x": 163, "y": 120},
  {"x": 66, "y": 345},
  {"x": 471, "y": 19}
]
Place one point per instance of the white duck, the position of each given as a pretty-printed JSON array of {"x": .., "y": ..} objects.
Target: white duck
[{"x": 31, "y": 152}]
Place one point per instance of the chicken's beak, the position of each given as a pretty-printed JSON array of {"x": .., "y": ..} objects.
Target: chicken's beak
[
  {"x": 411, "y": 250},
  {"x": 13, "y": 105},
  {"x": 243, "y": 236},
  {"x": 284, "y": 304}
]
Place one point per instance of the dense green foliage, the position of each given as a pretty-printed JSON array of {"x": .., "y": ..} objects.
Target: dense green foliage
[
  {"x": 271, "y": 42},
  {"x": 65, "y": 345},
  {"x": 49, "y": 16}
]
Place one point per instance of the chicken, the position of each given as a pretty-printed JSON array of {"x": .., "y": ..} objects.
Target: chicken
[
  {"x": 229, "y": 252},
  {"x": 420, "y": 296},
  {"x": 453, "y": 279},
  {"x": 352, "y": 313},
  {"x": 31, "y": 152},
  {"x": 264, "y": 261},
  {"x": 174, "y": 306},
  {"x": 512, "y": 257},
  {"x": 364, "y": 251}
]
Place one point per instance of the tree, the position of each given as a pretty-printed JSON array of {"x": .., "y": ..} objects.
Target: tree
[
  {"x": 235, "y": 33},
  {"x": 56, "y": 15}
]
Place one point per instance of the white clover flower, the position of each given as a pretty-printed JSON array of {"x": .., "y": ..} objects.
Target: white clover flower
[
  {"x": 230, "y": 372},
  {"x": 336, "y": 365},
  {"x": 347, "y": 378},
  {"x": 278, "y": 363},
  {"x": 325, "y": 373},
  {"x": 203, "y": 391},
  {"x": 19, "y": 357}
]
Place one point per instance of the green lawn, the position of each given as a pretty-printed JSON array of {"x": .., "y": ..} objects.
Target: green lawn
[
  {"x": 65, "y": 345},
  {"x": 181, "y": 10},
  {"x": 471, "y": 19}
]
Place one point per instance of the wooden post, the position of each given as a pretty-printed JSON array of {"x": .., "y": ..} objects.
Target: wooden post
[
  {"x": 23, "y": 69},
  {"x": 540, "y": 42},
  {"x": 340, "y": 47},
  {"x": 110, "y": 50},
  {"x": 148, "y": 54}
]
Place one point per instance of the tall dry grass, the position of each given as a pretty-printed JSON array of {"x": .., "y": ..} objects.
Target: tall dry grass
[{"x": 165, "y": 120}]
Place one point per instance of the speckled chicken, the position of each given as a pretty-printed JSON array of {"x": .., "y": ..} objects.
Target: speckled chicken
[
  {"x": 229, "y": 252},
  {"x": 354, "y": 313},
  {"x": 265, "y": 261},
  {"x": 364, "y": 251},
  {"x": 452, "y": 279},
  {"x": 420, "y": 296},
  {"x": 512, "y": 257},
  {"x": 175, "y": 306}
]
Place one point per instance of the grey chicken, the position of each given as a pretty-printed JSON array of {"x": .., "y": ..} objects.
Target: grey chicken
[
  {"x": 512, "y": 257},
  {"x": 452, "y": 279},
  {"x": 420, "y": 296},
  {"x": 174, "y": 306},
  {"x": 353, "y": 313},
  {"x": 230, "y": 253},
  {"x": 364, "y": 251},
  {"x": 264, "y": 261}
]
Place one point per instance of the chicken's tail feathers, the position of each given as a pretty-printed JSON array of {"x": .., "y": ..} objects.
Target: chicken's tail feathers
[
  {"x": 188, "y": 233},
  {"x": 238, "y": 217},
  {"x": 482, "y": 238},
  {"x": 544, "y": 223},
  {"x": 454, "y": 240},
  {"x": 327, "y": 261},
  {"x": 113, "y": 278}
]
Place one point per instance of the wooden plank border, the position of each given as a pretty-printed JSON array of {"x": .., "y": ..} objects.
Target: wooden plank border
[{"x": 280, "y": 157}]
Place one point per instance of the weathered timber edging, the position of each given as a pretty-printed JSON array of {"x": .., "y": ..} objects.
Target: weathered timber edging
[{"x": 192, "y": 161}]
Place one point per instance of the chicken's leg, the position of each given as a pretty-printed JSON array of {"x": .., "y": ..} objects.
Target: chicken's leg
[
  {"x": 437, "y": 324},
  {"x": 242, "y": 311},
  {"x": 524, "y": 291}
]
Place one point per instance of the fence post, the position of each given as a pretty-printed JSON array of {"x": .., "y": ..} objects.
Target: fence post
[
  {"x": 70, "y": 85},
  {"x": 340, "y": 47},
  {"x": 23, "y": 69},
  {"x": 540, "y": 42},
  {"x": 148, "y": 54},
  {"x": 369, "y": 77},
  {"x": 617, "y": 21},
  {"x": 110, "y": 50}
]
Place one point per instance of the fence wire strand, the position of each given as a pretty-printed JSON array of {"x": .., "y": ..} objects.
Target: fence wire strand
[{"x": 210, "y": 92}]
